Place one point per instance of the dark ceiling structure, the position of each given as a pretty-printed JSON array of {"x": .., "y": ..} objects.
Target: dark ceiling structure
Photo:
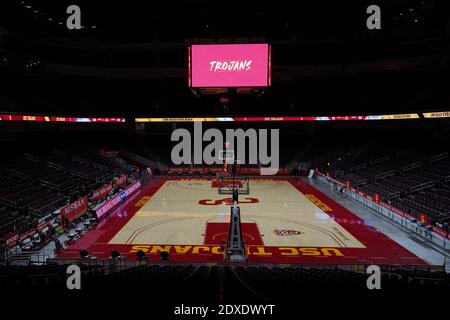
[{"x": 130, "y": 58}]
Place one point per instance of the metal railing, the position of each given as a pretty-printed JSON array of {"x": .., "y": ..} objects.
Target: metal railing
[
  {"x": 412, "y": 166},
  {"x": 119, "y": 264},
  {"x": 439, "y": 157},
  {"x": 384, "y": 175}
]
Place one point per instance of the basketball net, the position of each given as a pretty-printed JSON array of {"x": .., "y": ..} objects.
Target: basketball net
[{"x": 229, "y": 161}]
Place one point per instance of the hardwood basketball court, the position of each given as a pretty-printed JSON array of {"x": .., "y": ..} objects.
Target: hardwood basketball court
[{"x": 283, "y": 220}]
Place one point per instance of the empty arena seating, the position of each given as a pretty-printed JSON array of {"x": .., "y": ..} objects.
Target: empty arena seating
[
  {"x": 33, "y": 186},
  {"x": 212, "y": 283},
  {"x": 385, "y": 190},
  {"x": 12, "y": 220},
  {"x": 414, "y": 182},
  {"x": 435, "y": 203}
]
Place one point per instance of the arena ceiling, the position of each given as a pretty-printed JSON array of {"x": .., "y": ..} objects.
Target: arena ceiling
[{"x": 133, "y": 54}]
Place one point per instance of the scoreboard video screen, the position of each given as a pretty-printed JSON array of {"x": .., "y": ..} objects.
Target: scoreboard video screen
[{"x": 229, "y": 65}]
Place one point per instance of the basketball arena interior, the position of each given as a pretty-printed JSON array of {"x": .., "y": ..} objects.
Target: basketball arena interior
[{"x": 241, "y": 157}]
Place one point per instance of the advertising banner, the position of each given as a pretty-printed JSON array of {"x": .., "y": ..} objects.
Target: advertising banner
[
  {"x": 120, "y": 181},
  {"x": 100, "y": 212},
  {"x": 28, "y": 234},
  {"x": 11, "y": 239},
  {"x": 75, "y": 209},
  {"x": 102, "y": 192},
  {"x": 18, "y": 117}
]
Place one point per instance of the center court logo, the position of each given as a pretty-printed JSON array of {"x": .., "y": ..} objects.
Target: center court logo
[
  {"x": 189, "y": 150},
  {"x": 226, "y": 201}
]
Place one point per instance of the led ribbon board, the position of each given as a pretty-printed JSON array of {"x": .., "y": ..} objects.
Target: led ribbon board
[
  {"x": 34, "y": 118},
  {"x": 404, "y": 116}
]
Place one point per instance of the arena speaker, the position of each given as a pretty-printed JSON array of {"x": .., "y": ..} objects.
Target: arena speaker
[
  {"x": 84, "y": 254},
  {"x": 164, "y": 255}
]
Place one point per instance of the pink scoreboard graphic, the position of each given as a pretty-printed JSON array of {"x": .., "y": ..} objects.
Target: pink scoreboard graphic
[{"x": 229, "y": 65}]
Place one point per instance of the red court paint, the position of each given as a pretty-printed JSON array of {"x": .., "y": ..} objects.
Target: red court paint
[{"x": 217, "y": 233}]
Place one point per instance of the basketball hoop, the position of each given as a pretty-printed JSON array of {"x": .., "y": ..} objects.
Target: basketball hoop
[
  {"x": 227, "y": 184},
  {"x": 227, "y": 156}
]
